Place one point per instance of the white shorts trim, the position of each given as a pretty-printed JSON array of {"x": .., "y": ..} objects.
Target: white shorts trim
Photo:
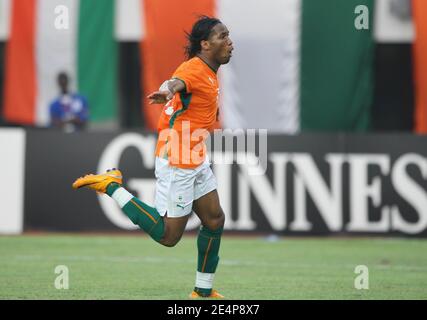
[{"x": 177, "y": 188}]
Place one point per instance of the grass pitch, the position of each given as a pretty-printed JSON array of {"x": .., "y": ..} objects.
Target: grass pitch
[{"x": 135, "y": 267}]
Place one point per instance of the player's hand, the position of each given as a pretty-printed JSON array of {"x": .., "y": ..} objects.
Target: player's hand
[{"x": 160, "y": 97}]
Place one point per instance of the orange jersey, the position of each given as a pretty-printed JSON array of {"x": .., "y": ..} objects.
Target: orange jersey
[{"x": 186, "y": 119}]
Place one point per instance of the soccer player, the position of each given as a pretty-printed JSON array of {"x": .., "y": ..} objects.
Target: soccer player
[{"x": 185, "y": 181}]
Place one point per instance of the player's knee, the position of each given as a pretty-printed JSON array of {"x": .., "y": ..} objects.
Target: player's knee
[
  {"x": 169, "y": 244},
  {"x": 216, "y": 222},
  {"x": 221, "y": 220},
  {"x": 170, "y": 241}
]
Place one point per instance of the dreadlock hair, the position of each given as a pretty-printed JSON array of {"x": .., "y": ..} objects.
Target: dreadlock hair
[{"x": 201, "y": 31}]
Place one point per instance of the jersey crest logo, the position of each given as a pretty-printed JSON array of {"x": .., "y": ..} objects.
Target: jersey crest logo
[{"x": 169, "y": 110}]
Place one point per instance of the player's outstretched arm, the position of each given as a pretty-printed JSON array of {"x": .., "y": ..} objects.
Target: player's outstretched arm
[{"x": 166, "y": 91}]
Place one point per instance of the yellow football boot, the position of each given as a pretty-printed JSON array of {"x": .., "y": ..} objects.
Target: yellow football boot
[
  {"x": 214, "y": 294},
  {"x": 99, "y": 182}
]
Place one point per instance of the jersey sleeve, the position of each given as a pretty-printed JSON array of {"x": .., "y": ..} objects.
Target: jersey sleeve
[{"x": 189, "y": 74}]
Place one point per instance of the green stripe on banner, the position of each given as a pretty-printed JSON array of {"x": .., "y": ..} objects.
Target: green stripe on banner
[
  {"x": 336, "y": 66},
  {"x": 97, "y": 58}
]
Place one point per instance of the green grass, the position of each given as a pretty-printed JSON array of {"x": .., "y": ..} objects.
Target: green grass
[{"x": 135, "y": 267}]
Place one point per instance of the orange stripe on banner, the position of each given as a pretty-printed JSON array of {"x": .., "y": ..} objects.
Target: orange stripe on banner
[
  {"x": 20, "y": 75},
  {"x": 420, "y": 63},
  {"x": 162, "y": 48},
  {"x": 146, "y": 213}
]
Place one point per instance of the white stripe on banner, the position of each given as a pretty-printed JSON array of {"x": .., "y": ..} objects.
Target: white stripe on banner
[
  {"x": 5, "y": 13},
  {"x": 12, "y": 161},
  {"x": 393, "y": 21},
  {"x": 260, "y": 86},
  {"x": 56, "y": 51},
  {"x": 128, "y": 20}
]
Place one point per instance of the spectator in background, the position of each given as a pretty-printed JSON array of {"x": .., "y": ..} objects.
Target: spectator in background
[{"x": 69, "y": 111}]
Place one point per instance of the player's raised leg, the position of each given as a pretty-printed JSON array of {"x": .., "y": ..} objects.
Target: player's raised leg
[
  {"x": 211, "y": 215},
  {"x": 166, "y": 231}
]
